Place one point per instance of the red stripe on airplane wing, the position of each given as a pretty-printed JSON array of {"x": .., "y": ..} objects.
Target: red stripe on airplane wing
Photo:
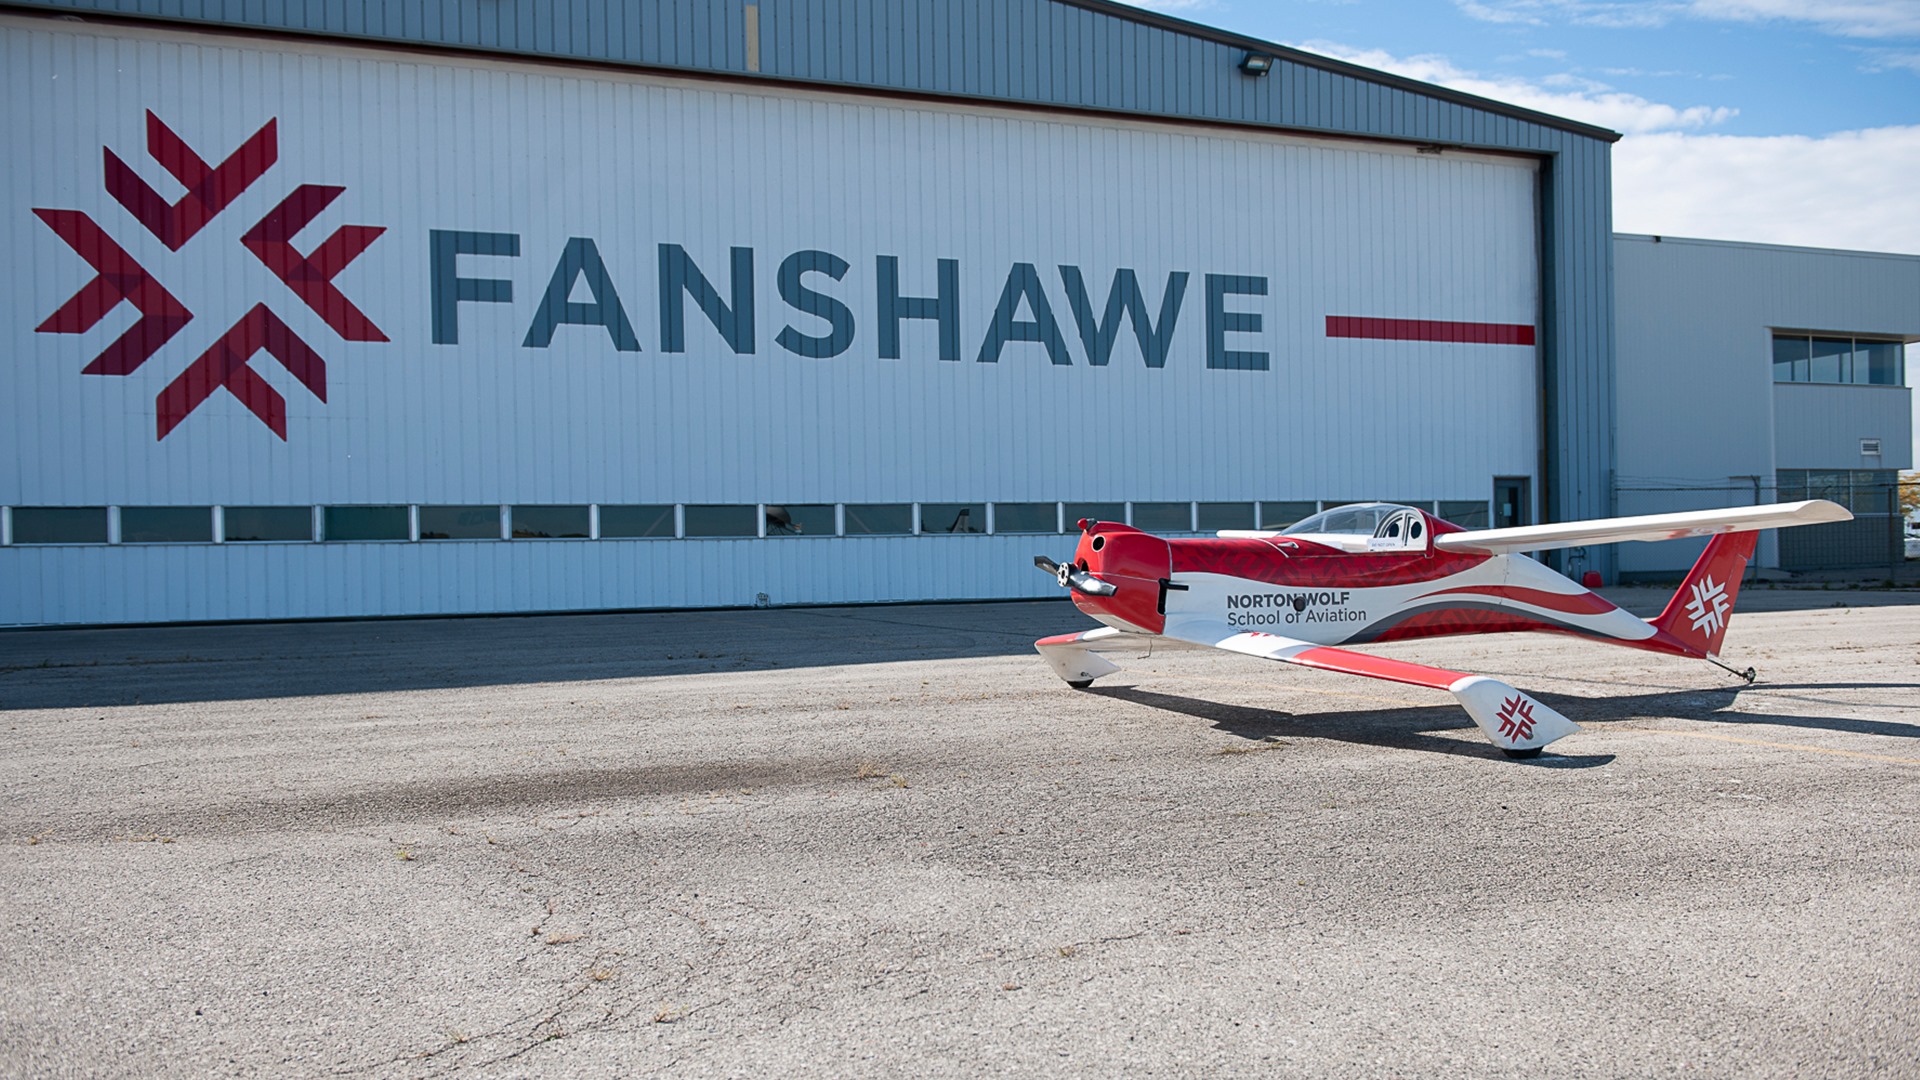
[
  {"x": 1477, "y": 333},
  {"x": 1376, "y": 667}
]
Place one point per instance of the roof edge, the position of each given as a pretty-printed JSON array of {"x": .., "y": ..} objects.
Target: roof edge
[
  {"x": 1339, "y": 67},
  {"x": 1764, "y": 245}
]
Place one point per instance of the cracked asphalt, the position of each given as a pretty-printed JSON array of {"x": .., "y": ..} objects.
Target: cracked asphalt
[{"x": 885, "y": 841}]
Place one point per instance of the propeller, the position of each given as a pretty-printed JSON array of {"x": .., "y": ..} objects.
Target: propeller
[{"x": 1078, "y": 580}]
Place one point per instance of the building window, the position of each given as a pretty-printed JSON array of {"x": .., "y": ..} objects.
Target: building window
[
  {"x": 1163, "y": 516},
  {"x": 1863, "y": 491},
  {"x": 722, "y": 521},
  {"x": 245, "y": 524},
  {"x": 953, "y": 517},
  {"x": 166, "y": 524},
  {"x": 457, "y": 523},
  {"x": 542, "y": 523},
  {"x": 792, "y": 519},
  {"x": 1467, "y": 515},
  {"x": 59, "y": 524},
  {"x": 636, "y": 522},
  {"x": 369, "y": 523},
  {"x": 1026, "y": 517},
  {"x": 871, "y": 519},
  {"x": 1215, "y": 516},
  {"x": 1278, "y": 515},
  {"x": 1838, "y": 359},
  {"x": 1095, "y": 511}
]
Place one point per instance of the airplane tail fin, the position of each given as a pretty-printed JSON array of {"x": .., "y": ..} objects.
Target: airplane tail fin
[{"x": 1698, "y": 613}]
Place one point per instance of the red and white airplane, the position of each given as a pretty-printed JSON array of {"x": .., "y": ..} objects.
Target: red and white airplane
[{"x": 1381, "y": 572}]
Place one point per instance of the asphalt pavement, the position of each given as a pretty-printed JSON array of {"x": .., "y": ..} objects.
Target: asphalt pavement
[{"x": 887, "y": 841}]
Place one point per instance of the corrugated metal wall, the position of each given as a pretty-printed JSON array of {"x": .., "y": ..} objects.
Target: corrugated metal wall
[
  {"x": 1702, "y": 422},
  {"x": 1821, "y": 427},
  {"x": 633, "y": 163},
  {"x": 1084, "y": 55}
]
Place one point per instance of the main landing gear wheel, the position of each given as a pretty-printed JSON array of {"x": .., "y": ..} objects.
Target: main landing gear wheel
[
  {"x": 1522, "y": 755},
  {"x": 1079, "y": 684}
]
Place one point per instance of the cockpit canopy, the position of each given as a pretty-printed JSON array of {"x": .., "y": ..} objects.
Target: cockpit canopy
[
  {"x": 1354, "y": 519},
  {"x": 1367, "y": 527}
]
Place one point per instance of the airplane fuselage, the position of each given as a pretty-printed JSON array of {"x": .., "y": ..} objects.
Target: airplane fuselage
[{"x": 1315, "y": 592}]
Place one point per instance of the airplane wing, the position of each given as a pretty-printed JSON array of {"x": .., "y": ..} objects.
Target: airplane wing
[
  {"x": 1514, "y": 721},
  {"x": 1647, "y": 527}
]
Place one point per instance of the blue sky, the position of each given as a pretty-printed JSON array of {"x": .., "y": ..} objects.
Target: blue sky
[
  {"x": 1760, "y": 68},
  {"x": 1782, "y": 121},
  {"x": 1771, "y": 121}
]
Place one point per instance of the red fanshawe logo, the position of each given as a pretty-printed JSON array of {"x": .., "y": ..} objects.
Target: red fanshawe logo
[{"x": 209, "y": 190}]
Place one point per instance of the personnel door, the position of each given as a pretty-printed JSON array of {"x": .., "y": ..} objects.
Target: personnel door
[{"x": 1512, "y": 501}]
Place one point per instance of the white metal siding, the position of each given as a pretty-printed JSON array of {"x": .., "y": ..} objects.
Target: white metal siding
[{"x": 631, "y": 162}]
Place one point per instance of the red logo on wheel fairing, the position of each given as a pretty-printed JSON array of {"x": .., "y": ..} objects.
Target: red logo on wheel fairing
[
  {"x": 1516, "y": 718},
  {"x": 210, "y": 189}
]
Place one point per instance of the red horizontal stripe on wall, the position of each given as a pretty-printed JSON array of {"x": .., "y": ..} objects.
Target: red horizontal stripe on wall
[{"x": 1479, "y": 333}]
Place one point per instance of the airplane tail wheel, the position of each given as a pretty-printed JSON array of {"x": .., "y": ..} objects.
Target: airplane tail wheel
[{"x": 1522, "y": 755}]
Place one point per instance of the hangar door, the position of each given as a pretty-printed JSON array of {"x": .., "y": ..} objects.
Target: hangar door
[{"x": 463, "y": 287}]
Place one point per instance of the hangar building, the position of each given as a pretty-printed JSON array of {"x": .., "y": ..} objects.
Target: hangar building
[{"x": 411, "y": 307}]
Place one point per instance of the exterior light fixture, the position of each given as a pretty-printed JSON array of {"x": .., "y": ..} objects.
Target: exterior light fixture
[{"x": 1256, "y": 64}]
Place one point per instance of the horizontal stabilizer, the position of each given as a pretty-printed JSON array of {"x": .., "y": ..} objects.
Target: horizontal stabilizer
[{"x": 1647, "y": 527}]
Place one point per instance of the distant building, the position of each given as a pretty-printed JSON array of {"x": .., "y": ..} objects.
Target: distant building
[{"x": 1756, "y": 373}]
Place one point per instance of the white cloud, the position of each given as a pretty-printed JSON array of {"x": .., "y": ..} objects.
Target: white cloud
[
  {"x": 1847, "y": 18},
  {"x": 1850, "y": 189},
  {"x": 1173, "y": 7},
  {"x": 1889, "y": 59},
  {"x": 1501, "y": 13},
  {"x": 1559, "y": 95},
  {"x": 1608, "y": 13}
]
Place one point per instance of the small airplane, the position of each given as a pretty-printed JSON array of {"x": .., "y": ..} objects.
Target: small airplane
[{"x": 1384, "y": 572}]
